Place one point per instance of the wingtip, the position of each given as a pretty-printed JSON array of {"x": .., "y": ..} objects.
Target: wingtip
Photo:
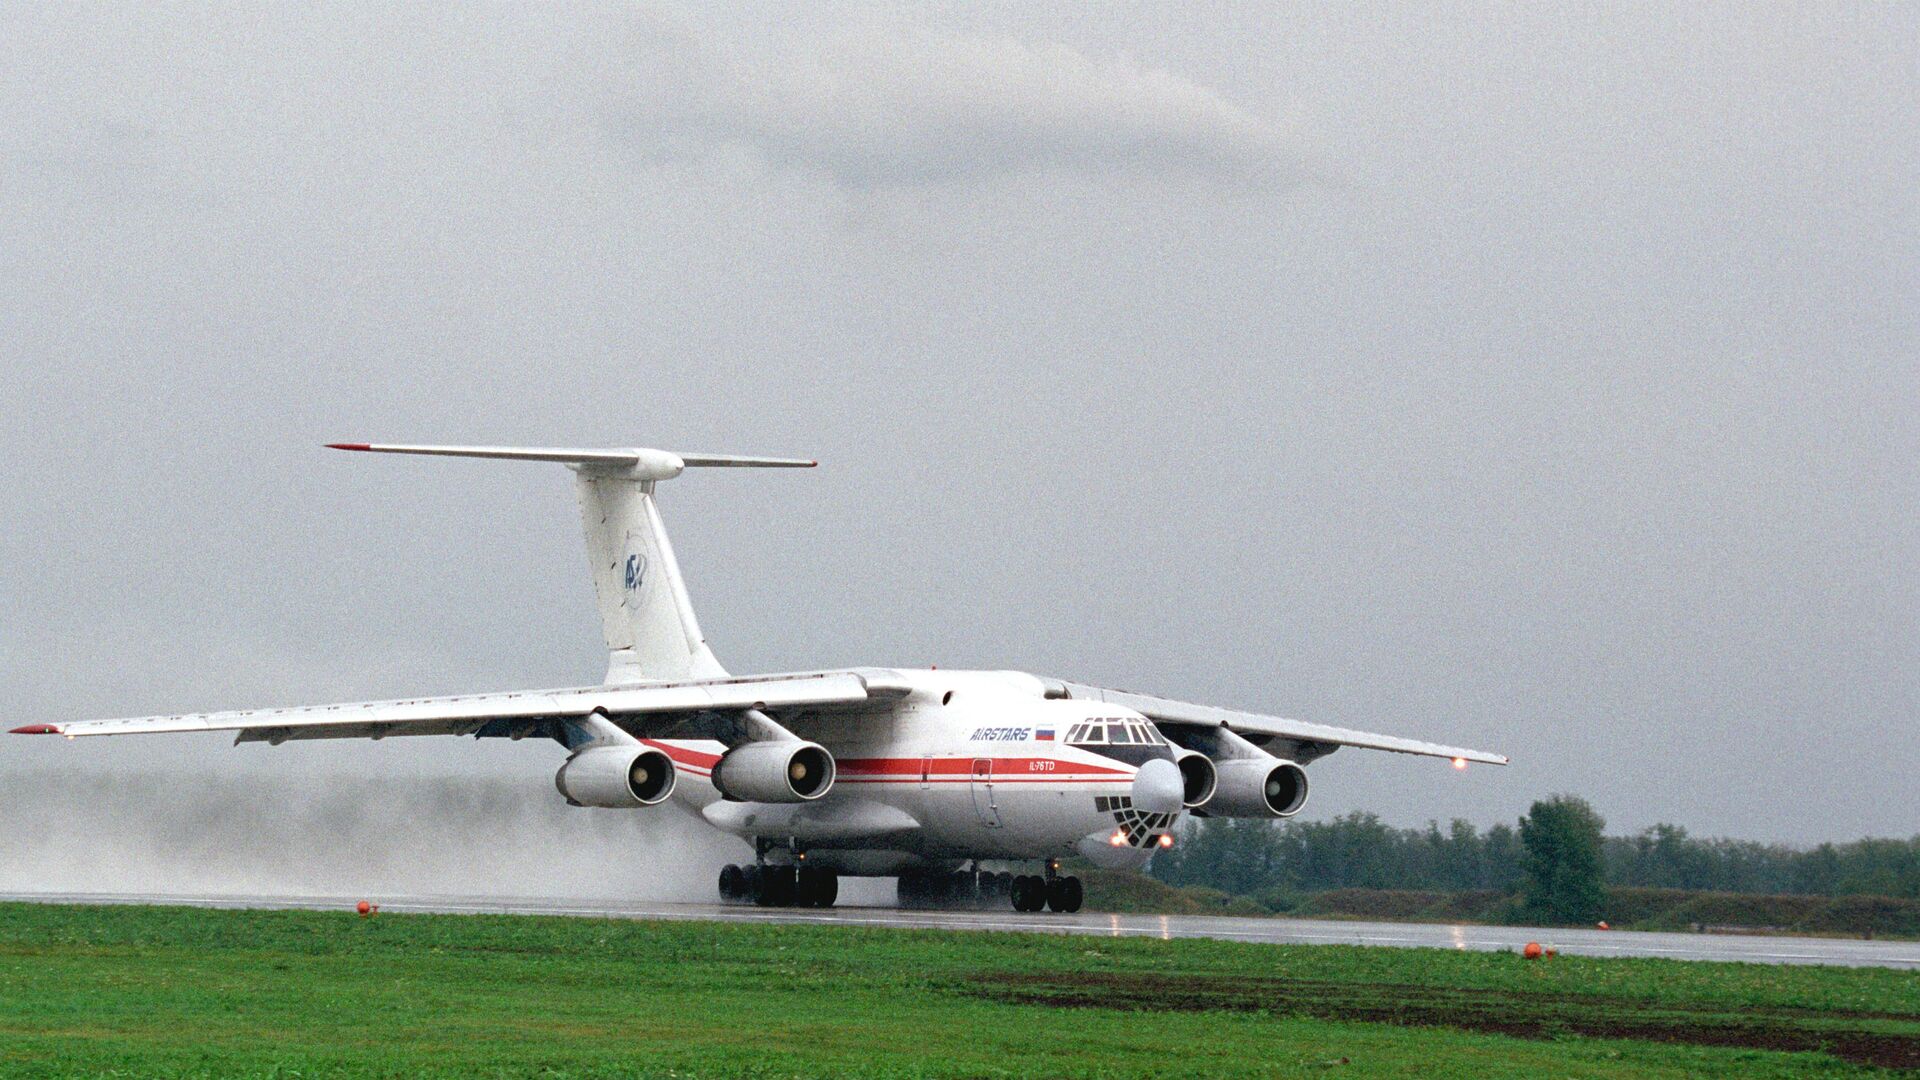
[
  {"x": 35, "y": 729},
  {"x": 349, "y": 446}
]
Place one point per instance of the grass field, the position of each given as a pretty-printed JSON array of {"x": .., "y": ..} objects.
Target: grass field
[
  {"x": 1881, "y": 917},
  {"x": 190, "y": 992}
]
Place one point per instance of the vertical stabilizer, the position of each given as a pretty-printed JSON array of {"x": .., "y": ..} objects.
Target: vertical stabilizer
[{"x": 651, "y": 630}]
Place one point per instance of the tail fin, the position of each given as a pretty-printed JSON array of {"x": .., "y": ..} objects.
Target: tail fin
[{"x": 649, "y": 623}]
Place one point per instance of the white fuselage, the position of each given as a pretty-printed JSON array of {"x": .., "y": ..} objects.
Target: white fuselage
[{"x": 968, "y": 766}]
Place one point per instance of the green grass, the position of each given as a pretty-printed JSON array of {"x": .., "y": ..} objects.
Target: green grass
[
  {"x": 1883, "y": 917},
  {"x": 187, "y": 992}
]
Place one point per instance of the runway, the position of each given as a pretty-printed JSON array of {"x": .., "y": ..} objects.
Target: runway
[{"x": 1275, "y": 931}]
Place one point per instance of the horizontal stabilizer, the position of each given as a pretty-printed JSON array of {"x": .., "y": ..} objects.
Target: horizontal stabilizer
[
  {"x": 650, "y": 627},
  {"x": 638, "y": 462}
]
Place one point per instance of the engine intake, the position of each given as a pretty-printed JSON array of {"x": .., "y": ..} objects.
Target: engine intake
[
  {"x": 1259, "y": 787},
  {"x": 617, "y": 777},
  {"x": 1198, "y": 778},
  {"x": 783, "y": 771}
]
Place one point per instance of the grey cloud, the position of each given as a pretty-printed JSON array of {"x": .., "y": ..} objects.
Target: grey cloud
[
  {"x": 876, "y": 108},
  {"x": 1576, "y": 426}
]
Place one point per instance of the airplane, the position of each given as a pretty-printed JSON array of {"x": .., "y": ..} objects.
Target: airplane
[{"x": 930, "y": 776}]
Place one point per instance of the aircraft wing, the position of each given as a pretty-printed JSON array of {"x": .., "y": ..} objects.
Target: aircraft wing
[
  {"x": 644, "y": 708},
  {"x": 1294, "y": 739}
]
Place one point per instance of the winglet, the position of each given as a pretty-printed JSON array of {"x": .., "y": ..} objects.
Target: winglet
[{"x": 35, "y": 729}]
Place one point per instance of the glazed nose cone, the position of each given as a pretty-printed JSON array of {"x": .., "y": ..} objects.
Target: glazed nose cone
[{"x": 1157, "y": 788}]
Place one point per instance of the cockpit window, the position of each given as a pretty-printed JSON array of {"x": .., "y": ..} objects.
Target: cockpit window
[{"x": 1115, "y": 732}]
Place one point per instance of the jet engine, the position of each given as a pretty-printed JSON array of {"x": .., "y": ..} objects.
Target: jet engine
[
  {"x": 776, "y": 771},
  {"x": 1258, "y": 787},
  {"x": 616, "y": 777},
  {"x": 1198, "y": 778}
]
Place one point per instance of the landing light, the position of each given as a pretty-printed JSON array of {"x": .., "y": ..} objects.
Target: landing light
[
  {"x": 1166, "y": 839},
  {"x": 1459, "y": 763},
  {"x": 1118, "y": 839}
]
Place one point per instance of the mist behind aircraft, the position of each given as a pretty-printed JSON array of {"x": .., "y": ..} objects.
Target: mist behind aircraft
[{"x": 163, "y": 832}]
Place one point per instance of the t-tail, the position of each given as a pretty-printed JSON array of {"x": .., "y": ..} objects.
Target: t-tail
[{"x": 651, "y": 631}]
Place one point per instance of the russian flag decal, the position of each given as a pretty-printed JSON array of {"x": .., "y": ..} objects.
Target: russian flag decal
[{"x": 1043, "y": 734}]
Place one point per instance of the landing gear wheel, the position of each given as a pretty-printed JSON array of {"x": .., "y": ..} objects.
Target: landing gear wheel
[
  {"x": 962, "y": 890},
  {"x": 776, "y": 886},
  {"x": 1064, "y": 894},
  {"x": 733, "y": 884},
  {"x": 994, "y": 887},
  {"x": 1029, "y": 893},
  {"x": 912, "y": 890},
  {"x": 816, "y": 888}
]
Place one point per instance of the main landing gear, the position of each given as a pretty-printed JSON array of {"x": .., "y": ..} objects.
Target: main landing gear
[
  {"x": 766, "y": 885},
  {"x": 1031, "y": 892},
  {"x": 985, "y": 889}
]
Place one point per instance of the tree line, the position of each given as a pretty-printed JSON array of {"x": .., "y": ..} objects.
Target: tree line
[{"x": 1559, "y": 840}]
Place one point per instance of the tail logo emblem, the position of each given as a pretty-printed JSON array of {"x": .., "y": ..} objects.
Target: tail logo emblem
[{"x": 636, "y": 571}]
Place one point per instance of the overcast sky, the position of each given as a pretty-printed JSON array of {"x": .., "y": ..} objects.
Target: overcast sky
[{"x": 1539, "y": 381}]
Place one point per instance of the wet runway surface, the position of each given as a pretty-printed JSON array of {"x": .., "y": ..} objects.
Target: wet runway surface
[{"x": 1278, "y": 931}]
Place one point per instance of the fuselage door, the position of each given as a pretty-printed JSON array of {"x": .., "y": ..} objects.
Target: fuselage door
[{"x": 983, "y": 802}]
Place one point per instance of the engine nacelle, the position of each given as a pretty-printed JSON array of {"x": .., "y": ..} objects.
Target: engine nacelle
[
  {"x": 618, "y": 777},
  {"x": 781, "y": 771},
  {"x": 1199, "y": 778},
  {"x": 1266, "y": 787}
]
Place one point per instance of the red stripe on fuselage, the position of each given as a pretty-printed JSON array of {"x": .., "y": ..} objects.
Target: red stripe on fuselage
[
  {"x": 963, "y": 766},
  {"x": 997, "y": 779},
  {"x": 938, "y": 770}
]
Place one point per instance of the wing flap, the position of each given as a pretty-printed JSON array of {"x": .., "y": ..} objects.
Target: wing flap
[
  {"x": 467, "y": 713},
  {"x": 1259, "y": 728}
]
